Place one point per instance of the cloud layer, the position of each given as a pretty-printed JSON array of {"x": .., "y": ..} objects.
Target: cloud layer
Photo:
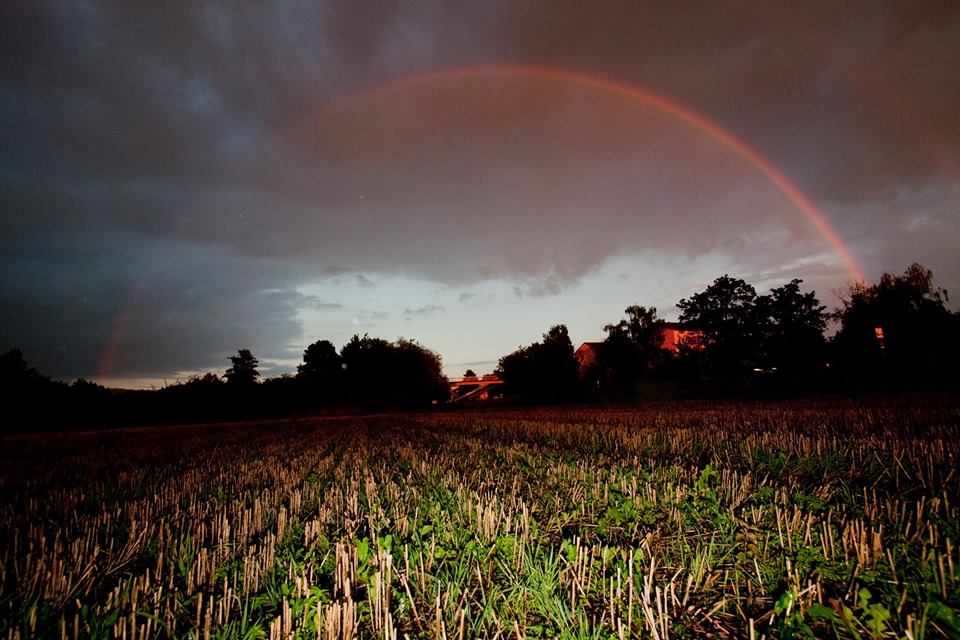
[{"x": 174, "y": 175}]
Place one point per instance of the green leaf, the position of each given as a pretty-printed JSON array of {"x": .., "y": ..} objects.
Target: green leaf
[
  {"x": 784, "y": 602},
  {"x": 823, "y": 613},
  {"x": 877, "y": 615},
  {"x": 569, "y": 551},
  {"x": 386, "y": 541},
  {"x": 609, "y": 553},
  {"x": 946, "y": 618},
  {"x": 363, "y": 548}
]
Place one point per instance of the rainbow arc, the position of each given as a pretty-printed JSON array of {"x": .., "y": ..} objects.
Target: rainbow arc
[
  {"x": 635, "y": 95},
  {"x": 607, "y": 86}
]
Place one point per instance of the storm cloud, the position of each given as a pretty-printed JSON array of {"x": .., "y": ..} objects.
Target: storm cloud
[{"x": 175, "y": 176}]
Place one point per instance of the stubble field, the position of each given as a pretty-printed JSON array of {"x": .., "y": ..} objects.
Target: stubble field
[{"x": 835, "y": 519}]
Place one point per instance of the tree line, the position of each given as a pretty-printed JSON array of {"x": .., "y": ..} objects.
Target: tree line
[
  {"x": 366, "y": 374},
  {"x": 896, "y": 333}
]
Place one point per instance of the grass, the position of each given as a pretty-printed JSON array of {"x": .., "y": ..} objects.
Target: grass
[{"x": 786, "y": 521}]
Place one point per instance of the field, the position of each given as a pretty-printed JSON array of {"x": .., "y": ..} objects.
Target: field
[{"x": 789, "y": 520}]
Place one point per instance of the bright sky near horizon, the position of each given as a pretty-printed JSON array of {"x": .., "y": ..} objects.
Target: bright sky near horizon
[{"x": 181, "y": 180}]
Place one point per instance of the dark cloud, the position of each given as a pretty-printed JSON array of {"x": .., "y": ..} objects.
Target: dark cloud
[
  {"x": 365, "y": 282},
  {"x": 313, "y": 302},
  {"x": 172, "y": 173},
  {"x": 116, "y": 304},
  {"x": 426, "y": 310},
  {"x": 537, "y": 289}
]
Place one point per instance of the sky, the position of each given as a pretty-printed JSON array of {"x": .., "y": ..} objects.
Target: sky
[{"x": 179, "y": 180}]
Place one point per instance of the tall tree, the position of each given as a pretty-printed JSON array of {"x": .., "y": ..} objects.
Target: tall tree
[
  {"x": 418, "y": 374},
  {"x": 321, "y": 363},
  {"x": 379, "y": 372},
  {"x": 899, "y": 325},
  {"x": 730, "y": 322},
  {"x": 633, "y": 346},
  {"x": 643, "y": 328},
  {"x": 545, "y": 369},
  {"x": 31, "y": 400},
  {"x": 15, "y": 373},
  {"x": 367, "y": 369},
  {"x": 244, "y": 370},
  {"x": 795, "y": 343}
]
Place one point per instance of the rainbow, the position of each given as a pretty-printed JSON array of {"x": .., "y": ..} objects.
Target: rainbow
[
  {"x": 112, "y": 347},
  {"x": 608, "y": 86},
  {"x": 634, "y": 95}
]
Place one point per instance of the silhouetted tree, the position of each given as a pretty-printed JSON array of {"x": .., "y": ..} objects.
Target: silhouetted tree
[
  {"x": 31, "y": 400},
  {"x": 899, "y": 325},
  {"x": 202, "y": 396},
  {"x": 730, "y": 322},
  {"x": 84, "y": 386},
  {"x": 321, "y": 374},
  {"x": 367, "y": 371},
  {"x": 15, "y": 373},
  {"x": 469, "y": 374},
  {"x": 546, "y": 369},
  {"x": 379, "y": 372},
  {"x": 739, "y": 329},
  {"x": 643, "y": 328},
  {"x": 244, "y": 370},
  {"x": 633, "y": 346},
  {"x": 419, "y": 374},
  {"x": 89, "y": 402},
  {"x": 794, "y": 342},
  {"x": 322, "y": 364},
  {"x": 204, "y": 380}
]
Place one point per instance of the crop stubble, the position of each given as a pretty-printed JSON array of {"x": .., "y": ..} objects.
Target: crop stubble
[{"x": 787, "y": 520}]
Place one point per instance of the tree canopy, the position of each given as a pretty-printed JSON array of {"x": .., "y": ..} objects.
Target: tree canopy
[
  {"x": 321, "y": 363},
  {"x": 740, "y": 329},
  {"x": 244, "y": 370},
  {"x": 377, "y": 371},
  {"x": 795, "y": 321},
  {"x": 633, "y": 346},
  {"x": 725, "y": 315},
  {"x": 545, "y": 369},
  {"x": 899, "y": 326},
  {"x": 16, "y": 374}
]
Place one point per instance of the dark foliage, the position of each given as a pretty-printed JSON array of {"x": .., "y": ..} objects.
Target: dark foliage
[
  {"x": 16, "y": 376},
  {"x": 244, "y": 370},
  {"x": 726, "y": 316},
  {"x": 740, "y": 332},
  {"x": 897, "y": 330},
  {"x": 793, "y": 343},
  {"x": 378, "y": 372},
  {"x": 321, "y": 376},
  {"x": 629, "y": 353},
  {"x": 544, "y": 370},
  {"x": 896, "y": 333},
  {"x": 371, "y": 373},
  {"x": 321, "y": 363}
]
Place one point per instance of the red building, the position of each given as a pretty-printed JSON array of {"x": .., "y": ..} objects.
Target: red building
[
  {"x": 586, "y": 355},
  {"x": 673, "y": 336}
]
